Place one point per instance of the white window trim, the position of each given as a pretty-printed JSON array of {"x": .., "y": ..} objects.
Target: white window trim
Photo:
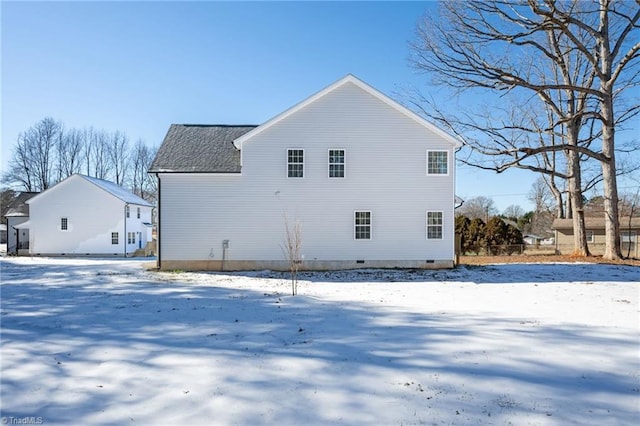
[
  {"x": 591, "y": 236},
  {"x": 426, "y": 222},
  {"x": 370, "y": 225},
  {"x": 304, "y": 163},
  {"x": 427, "y": 162},
  {"x": 329, "y": 163}
]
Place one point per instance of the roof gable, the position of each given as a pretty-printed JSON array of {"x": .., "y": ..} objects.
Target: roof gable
[
  {"x": 194, "y": 148},
  {"x": 363, "y": 86},
  {"x": 105, "y": 185}
]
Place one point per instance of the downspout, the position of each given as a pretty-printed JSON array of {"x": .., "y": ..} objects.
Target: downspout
[
  {"x": 159, "y": 261},
  {"x": 124, "y": 237}
]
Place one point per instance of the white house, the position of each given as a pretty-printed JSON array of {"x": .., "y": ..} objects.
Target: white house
[
  {"x": 83, "y": 215},
  {"x": 370, "y": 182},
  {"x": 18, "y": 213}
]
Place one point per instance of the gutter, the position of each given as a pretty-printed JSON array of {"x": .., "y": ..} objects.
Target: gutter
[{"x": 124, "y": 237}]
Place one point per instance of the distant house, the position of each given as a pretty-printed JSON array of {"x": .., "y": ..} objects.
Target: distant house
[
  {"x": 18, "y": 213},
  {"x": 370, "y": 182},
  {"x": 629, "y": 230},
  {"x": 3, "y": 233},
  {"x": 83, "y": 215}
]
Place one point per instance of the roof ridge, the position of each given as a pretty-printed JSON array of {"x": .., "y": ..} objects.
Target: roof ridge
[{"x": 216, "y": 125}]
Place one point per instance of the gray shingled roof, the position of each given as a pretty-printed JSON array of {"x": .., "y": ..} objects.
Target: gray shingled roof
[
  {"x": 18, "y": 207},
  {"x": 199, "y": 148}
]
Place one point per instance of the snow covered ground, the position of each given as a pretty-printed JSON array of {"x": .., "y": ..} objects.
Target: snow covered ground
[{"x": 95, "y": 341}]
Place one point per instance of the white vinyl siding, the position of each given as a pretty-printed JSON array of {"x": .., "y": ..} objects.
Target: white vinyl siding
[
  {"x": 295, "y": 163},
  {"x": 437, "y": 163},
  {"x": 386, "y": 175},
  {"x": 337, "y": 163}
]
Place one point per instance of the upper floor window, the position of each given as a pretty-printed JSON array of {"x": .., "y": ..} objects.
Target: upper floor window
[
  {"x": 437, "y": 162},
  {"x": 126, "y": 209},
  {"x": 434, "y": 225},
  {"x": 138, "y": 212},
  {"x": 362, "y": 225},
  {"x": 64, "y": 224},
  {"x": 336, "y": 163},
  {"x": 295, "y": 163}
]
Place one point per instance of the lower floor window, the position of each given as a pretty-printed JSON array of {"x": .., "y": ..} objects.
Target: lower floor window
[
  {"x": 114, "y": 238},
  {"x": 131, "y": 237},
  {"x": 434, "y": 225},
  {"x": 363, "y": 225}
]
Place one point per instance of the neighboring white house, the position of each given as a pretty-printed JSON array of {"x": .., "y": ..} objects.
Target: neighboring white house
[
  {"x": 83, "y": 215},
  {"x": 370, "y": 182},
  {"x": 18, "y": 213}
]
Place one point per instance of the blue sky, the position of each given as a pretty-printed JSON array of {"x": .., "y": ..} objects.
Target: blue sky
[{"x": 138, "y": 67}]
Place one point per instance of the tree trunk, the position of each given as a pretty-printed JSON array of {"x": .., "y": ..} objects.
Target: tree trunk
[
  {"x": 575, "y": 194},
  {"x": 612, "y": 248}
]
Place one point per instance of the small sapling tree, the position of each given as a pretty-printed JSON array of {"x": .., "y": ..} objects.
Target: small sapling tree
[{"x": 291, "y": 248}]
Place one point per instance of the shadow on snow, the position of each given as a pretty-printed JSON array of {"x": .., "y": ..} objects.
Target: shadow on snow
[{"x": 96, "y": 345}]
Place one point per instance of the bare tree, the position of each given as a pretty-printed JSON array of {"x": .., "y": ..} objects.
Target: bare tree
[
  {"x": 292, "y": 249},
  {"x": 69, "y": 152},
  {"x": 478, "y": 208},
  {"x": 554, "y": 51},
  {"x": 513, "y": 212},
  {"x": 118, "y": 154},
  {"x": 142, "y": 183},
  {"x": 97, "y": 152},
  {"x": 32, "y": 164}
]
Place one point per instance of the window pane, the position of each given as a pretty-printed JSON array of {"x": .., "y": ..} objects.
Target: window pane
[
  {"x": 363, "y": 225},
  {"x": 64, "y": 223},
  {"x": 336, "y": 163},
  {"x": 434, "y": 225},
  {"x": 295, "y": 163},
  {"x": 437, "y": 163}
]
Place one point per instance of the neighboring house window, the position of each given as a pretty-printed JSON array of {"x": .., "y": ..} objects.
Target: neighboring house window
[
  {"x": 362, "y": 225},
  {"x": 336, "y": 163},
  {"x": 131, "y": 237},
  {"x": 295, "y": 163},
  {"x": 434, "y": 225},
  {"x": 590, "y": 236},
  {"x": 628, "y": 236},
  {"x": 114, "y": 238},
  {"x": 126, "y": 208},
  {"x": 437, "y": 162},
  {"x": 64, "y": 223},
  {"x": 138, "y": 212}
]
